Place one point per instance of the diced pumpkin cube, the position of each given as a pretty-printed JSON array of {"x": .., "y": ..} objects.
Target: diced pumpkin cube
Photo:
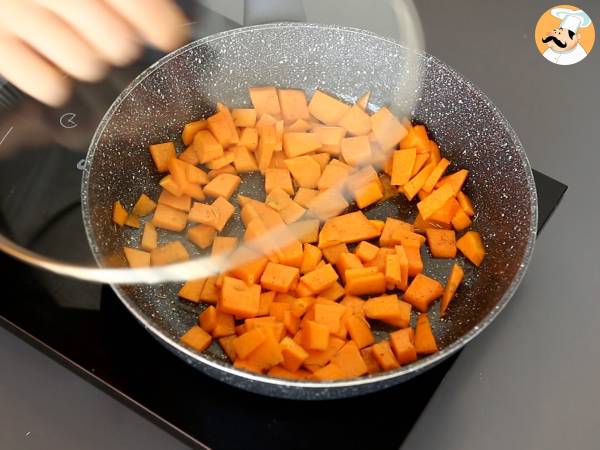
[
  {"x": 244, "y": 117},
  {"x": 206, "y": 146},
  {"x": 181, "y": 203},
  {"x": 422, "y": 291},
  {"x": 169, "y": 184},
  {"x": 144, "y": 206},
  {"x": 298, "y": 144},
  {"x": 368, "y": 194},
  {"x": 162, "y": 154},
  {"x": 454, "y": 279},
  {"x": 320, "y": 279},
  {"x": 403, "y": 346},
  {"x": 265, "y": 100},
  {"x": 359, "y": 330},
  {"x": 315, "y": 336},
  {"x": 465, "y": 203},
  {"x": 331, "y": 139},
  {"x": 202, "y": 235},
  {"x": 190, "y": 129},
  {"x": 472, "y": 247},
  {"x": 169, "y": 253},
  {"x": 370, "y": 361},
  {"x": 293, "y": 354},
  {"x": 305, "y": 170},
  {"x": 278, "y": 277},
  {"x": 243, "y": 160},
  {"x": 347, "y": 228},
  {"x": 247, "y": 342},
  {"x": 350, "y": 360},
  {"x": 382, "y": 352},
  {"x": 208, "y": 319},
  {"x": 443, "y": 216},
  {"x": 442, "y": 243},
  {"x": 369, "y": 284},
  {"x": 435, "y": 175},
  {"x": 424, "y": 340},
  {"x": 119, "y": 214},
  {"x": 304, "y": 196},
  {"x": 366, "y": 251},
  {"x": 136, "y": 258},
  {"x": 388, "y": 130},
  {"x": 149, "y": 237},
  {"x": 356, "y": 150},
  {"x": 330, "y": 372},
  {"x": 192, "y": 290},
  {"x": 327, "y": 109},
  {"x": 363, "y": 100},
  {"x": 461, "y": 220},
  {"x": 402, "y": 166},
  {"x": 239, "y": 299},
  {"x": 249, "y": 138},
  {"x": 293, "y": 105},
  {"x": 436, "y": 200},
  {"x": 196, "y": 338},
  {"x": 356, "y": 121},
  {"x": 223, "y": 245},
  {"x": 223, "y": 185},
  {"x": 189, "y": 156},
  {"x": 278, "y": 178},
  {"x": 226, "y": 344},
  {"x": 196, "y": 175},
  {"x": 169, "y": 218},
  {"x": 333, "y": 252}
]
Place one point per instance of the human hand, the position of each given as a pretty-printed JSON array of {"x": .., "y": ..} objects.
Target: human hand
[{"x": 45, "y": 43}]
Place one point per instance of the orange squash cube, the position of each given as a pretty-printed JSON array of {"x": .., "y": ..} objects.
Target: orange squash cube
[
  {"x": 169, "y": 253},
  {"x": 265, "y": 100},
  {"x": 169, "y": 218},
  {"x": 424, "y": 340},
  {"x": 190, "y": 129},
  {"x": 244, "y": 117},
  {"x": 136, "y": 258},
  {"x": 327, "y": 109},
  {"x": 403, "y": 345},
  {"x": 249, "y": 138},
  {"x": 162, "y": 154},
  {"x": 239, "y": 299},
  {"x": 202, "y": 235},
  {"x": 196, "y": 338},
  {"x": 192, "y": 290},
  {"x": 149, "y": 237},
  {"x": 206, "y": 146},
  {"x": 422, "y": 291},
  {"x": 472, "y": 247},
  {"x": 119, "y": 214},
  {"x": 298, "y": 144},
  {"x": 293, "y": 105},
  {"x": 223, "y": 185},
  {"x": 278, "y": 277}
]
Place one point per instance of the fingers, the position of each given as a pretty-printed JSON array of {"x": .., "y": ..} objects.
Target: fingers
[
  {"x": 159, "y": 22},
  {"x": 47, "y": 34},
  {"x": 101, "y": 27},
  {"x": 32, "y": 74}
]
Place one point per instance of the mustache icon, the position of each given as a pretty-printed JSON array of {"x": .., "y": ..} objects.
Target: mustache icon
[{"x": 555, "y": 40}]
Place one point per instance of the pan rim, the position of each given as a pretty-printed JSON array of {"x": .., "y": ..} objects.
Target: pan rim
[{"x": 403, "y": 373}]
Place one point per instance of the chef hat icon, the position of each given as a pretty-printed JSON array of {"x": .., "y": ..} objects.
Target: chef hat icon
[{"x": 570, "y": 19}]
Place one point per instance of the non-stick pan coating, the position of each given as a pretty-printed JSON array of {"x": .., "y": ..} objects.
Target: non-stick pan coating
[{"x": 185, "y": 85}]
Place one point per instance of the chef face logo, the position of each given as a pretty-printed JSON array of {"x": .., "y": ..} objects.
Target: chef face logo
[{"x": 564, "y": 35}]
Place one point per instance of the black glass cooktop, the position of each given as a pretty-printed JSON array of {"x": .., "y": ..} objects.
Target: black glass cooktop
[{"x": 85, "y": 327}]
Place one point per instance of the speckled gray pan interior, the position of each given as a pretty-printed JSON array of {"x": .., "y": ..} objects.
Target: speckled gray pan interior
[{"x": 185, "y": 85}]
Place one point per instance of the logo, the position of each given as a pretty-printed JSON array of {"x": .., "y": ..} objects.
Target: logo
[{"x": 565, "y": 35}]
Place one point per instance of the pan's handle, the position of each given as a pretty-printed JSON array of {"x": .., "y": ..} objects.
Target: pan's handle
[{"x": 257, "y": 12}]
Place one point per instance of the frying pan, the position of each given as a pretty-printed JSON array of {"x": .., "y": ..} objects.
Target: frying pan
[{"x": 186, "y": 84}]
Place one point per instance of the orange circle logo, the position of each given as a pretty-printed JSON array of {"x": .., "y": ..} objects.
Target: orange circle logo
[{"x": 565, "y": 35}]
